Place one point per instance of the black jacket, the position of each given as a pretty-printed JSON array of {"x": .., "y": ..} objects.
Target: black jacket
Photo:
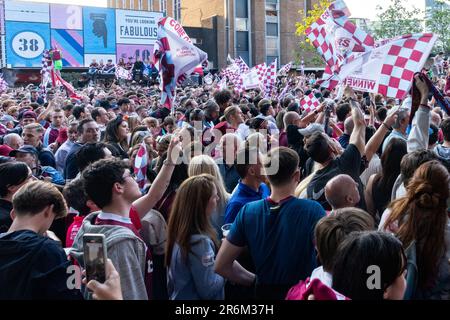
[
  {"x": 5, "y": 218},
  {"x": 34, "y": 267}
]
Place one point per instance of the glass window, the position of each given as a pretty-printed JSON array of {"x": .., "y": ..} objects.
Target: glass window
[
  {"x": 241, "y": 24},
  {"x": 270, "y": 59},
  {"x": 241, "y": 9},
  {"x": 272, "y": 29},
  {"x": 242, "y": 41},
  {"x": 272, "y": 46}
]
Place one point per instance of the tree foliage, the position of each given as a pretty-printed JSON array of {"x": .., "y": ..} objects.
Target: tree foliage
[
  {"x": 307, "y": 52},
  {"x": 396, "y": 20},
  {"x": 438, "y": 22}
]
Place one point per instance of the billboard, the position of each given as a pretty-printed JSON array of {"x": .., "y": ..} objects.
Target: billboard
[
  {"x": 25, "y": 43},
  {"x": 81, "y": 33},
  {"x": 136, "y": 27},
  {"x": 66, "y": 17},
  {"x": 99, "y": 30}
]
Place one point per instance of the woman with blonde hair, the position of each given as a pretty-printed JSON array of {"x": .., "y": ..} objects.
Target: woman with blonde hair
[
  {"x": 205, "y": 164},
  {"x": 421, "y": 219},
  {"x": 191, "y": 242}
]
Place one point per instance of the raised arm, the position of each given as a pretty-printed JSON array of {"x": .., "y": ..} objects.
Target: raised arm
[
  {"x": 377, "y": 139},
  {"x": 358, "y": 135},
  {"x": 145, "y": 203},
  {"x": 418, "y": 137}
]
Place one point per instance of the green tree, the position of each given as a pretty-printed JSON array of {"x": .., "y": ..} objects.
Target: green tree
[
  {"x": 307, "y": 51},
  {"x": 438, "y": 22},
  {"x": 396, "y": 20}
]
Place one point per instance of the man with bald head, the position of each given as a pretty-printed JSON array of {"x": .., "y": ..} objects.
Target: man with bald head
[{"x": 342, "y": 192}]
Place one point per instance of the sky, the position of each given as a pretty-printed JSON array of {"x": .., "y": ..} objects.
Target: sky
[{"x": 358, "y": 8}]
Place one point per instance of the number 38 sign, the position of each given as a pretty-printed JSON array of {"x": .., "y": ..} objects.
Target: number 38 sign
[{"x": 28, "y": 44}]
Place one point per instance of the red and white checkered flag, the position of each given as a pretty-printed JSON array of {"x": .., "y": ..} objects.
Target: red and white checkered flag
[
  {"x": 389, "y": 68},
  {"x": 270, "y": 80},
  {"x": 243, "y": 67},
  {"x": 285, "y": 69},
  {"x": 261, "y": 71},
  {"x": 335, "y": 37},
  {"x": 140, "y": 165},
  {"x": 309, "y": 103}
]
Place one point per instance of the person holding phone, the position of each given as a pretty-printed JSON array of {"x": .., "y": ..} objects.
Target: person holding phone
[{"x": 33, "y": 266}]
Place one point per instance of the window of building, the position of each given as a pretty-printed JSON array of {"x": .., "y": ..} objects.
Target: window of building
[
  {"x": 177, "y": 9},
  {"x": 241, "y": 24},
  {"x": 163, "y": 6},
  {"x": 242, "y": 41},
  {"x": 272, "y": 46},
  {"x": 150, "y": 5},
  {"x": 270, "y": 59},
  {"x": 272, "y": 29},
  {"x": 241, "y": 9}
]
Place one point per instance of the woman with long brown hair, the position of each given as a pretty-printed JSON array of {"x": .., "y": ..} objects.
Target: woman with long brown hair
[
  {"x": 191, "y": 242},
  {"x": 421, "y": 218},
  {"x": 116, "y": 135}
]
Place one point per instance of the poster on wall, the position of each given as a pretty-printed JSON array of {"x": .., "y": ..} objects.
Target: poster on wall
[
  {"x": 26, "y": 11},
  {"x": 25, "y": 43},
  {"x": 99, "y": 30},
  {"x": 70, "y": 42},
  {"x": 66, "y": 17},
  {"x": 137, "y": 27}
]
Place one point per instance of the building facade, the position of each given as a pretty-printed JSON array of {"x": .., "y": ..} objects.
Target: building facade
[
  {"x": 256, "y": 30},
  {"x": 166, "y": 6}
]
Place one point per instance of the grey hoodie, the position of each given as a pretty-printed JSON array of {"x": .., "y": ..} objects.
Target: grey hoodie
[{"x": 124, "y": 248}]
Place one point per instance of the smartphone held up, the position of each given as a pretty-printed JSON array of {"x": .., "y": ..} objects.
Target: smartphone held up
[{"x": 95, "y": 256}]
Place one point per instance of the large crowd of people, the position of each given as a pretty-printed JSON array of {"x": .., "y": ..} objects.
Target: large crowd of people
[{"x": 241, "y": 197}]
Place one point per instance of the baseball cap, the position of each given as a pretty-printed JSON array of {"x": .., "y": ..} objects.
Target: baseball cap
[
  {"x": 24, "y": 149},
  {"x": 311, "y": 129},
  {"x": 5, "y": 150},
  {"x": 28, "y": 114},
  {"x": 7, "y": 118}
]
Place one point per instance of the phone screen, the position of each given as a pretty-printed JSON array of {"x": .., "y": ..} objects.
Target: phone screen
[{"x": 95, "y": 257}]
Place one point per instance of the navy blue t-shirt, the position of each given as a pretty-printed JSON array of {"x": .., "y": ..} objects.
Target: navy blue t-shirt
[{"x": 279, "y": 238}]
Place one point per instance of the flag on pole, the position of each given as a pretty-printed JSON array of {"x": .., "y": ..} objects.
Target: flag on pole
[
  {"x": 175, "y": 56},
  {"x": 140, "y": 165},
  {"x": 335, "y": 37},
  {"x": 285, "y": 69},
  {"x": 261, "y": 71},
  {"x": 243, "y": 67},
  {"x": 270, "y": 79}
]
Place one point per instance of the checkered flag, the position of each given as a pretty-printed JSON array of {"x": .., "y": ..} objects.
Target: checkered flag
[
  {"x": 309, "y": 103},
  {"x": 140, "y": 165},
  {"x": 270, "y": 79},
  {"x": 389, "y": 69},
  {"x": 405, "y": 57},
  {"x": 261, "y": 70},
  {"x": 335, "y": 37},
  {"x": 243, "y": 67},
  {"x": 285, "y": 69}
]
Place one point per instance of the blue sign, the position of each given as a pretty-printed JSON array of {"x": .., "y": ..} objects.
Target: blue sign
[
  {"x": 25, "y": 43},
  {"x": 99, "y": 30}
]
